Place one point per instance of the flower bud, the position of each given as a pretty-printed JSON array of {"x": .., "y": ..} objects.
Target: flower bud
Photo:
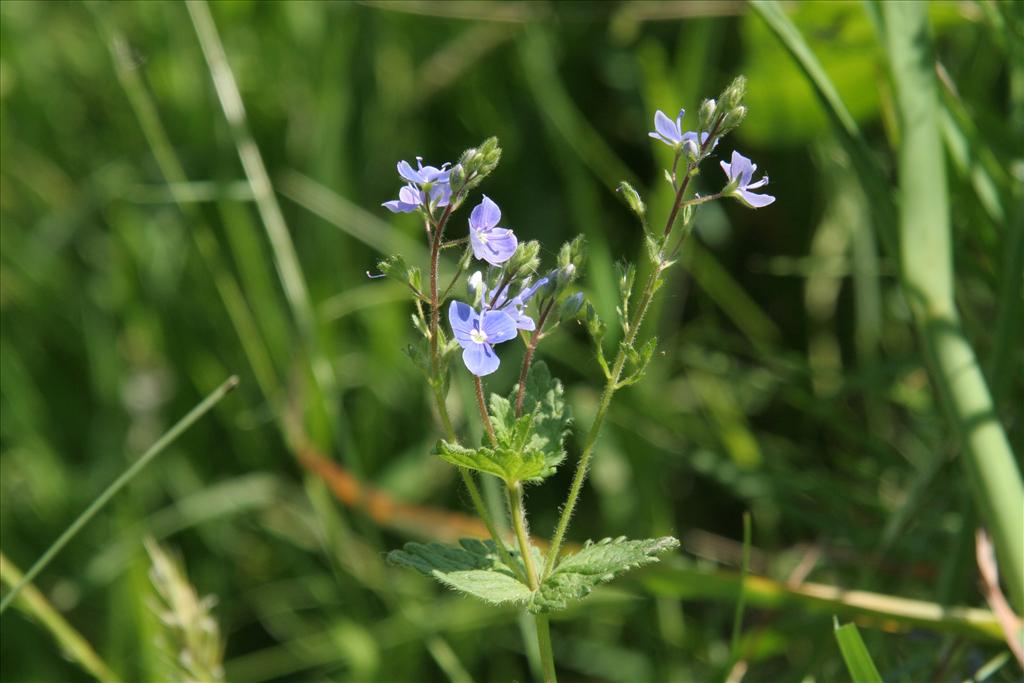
[
  {"x": 706, "y": 115},
  {"x": 570, "y": 307},
  {"x": 633, "y": 200},
  {"x": 458, "y": 176},
  {"x": 525, "y": 259},
  {"x": 691, "y": 152},
  {"x": 734, "y": 118},
  {"x": 732, "y": 96}
]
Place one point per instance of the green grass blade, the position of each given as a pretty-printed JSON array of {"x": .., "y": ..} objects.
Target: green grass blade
[
  {"x": 163, "y": 442},
  {"x": 871, "y": 176},
  {"x": 741, "y": 602},
  {"x": 858, "y": 660},
  {"x": 36, "y": 606},
  {"x": 285, "y": 258},
  {"x": 690, "y": 583},
  {"x": 927, "y": 265}
]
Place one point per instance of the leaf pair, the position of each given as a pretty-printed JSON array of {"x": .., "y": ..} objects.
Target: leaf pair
[
  {"x": 475, "y": 569},
  {"x": 529, "y": 447}
]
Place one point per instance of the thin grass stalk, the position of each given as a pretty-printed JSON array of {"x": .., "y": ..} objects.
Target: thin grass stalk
[
  {"x": 126, "y": 477},
  {"x": 35, "y": 605}
]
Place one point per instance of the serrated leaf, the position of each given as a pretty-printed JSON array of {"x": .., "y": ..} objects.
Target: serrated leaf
[
  {"x": 544, "y": 399},
  {"x": 576, "y": 575},
  {"x": 510, "y": 465},
  {"x": 473, "y": 568}
]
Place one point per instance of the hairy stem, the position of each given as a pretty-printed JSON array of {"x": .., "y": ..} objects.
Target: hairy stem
[
  {"x": 620, "y": 360},
  {"x": 610, "y": 388},
  {"x": 515, "y": 504},
  {"x": 547, "y": 657},
  {"x": 438, "y": 387},
  {"x": 484, "y": 415},
  {"x": 528, "y": 358}
]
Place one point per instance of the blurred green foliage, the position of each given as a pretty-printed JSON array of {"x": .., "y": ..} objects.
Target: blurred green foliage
[{"x": 789, "y": 383}]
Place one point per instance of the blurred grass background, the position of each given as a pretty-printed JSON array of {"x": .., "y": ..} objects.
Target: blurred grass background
[{"x": 138, "y": 271}]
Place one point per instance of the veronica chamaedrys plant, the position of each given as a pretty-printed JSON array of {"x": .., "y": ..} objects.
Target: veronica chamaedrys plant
[{"x": 512, "y": 296}]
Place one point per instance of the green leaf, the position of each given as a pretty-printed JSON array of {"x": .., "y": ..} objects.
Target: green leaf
[
  {"x": 473, "y": 568},
  {"x": 544, "y": 401},
  {"x": 576, "y": 575},
  {"x": 858, "y": 661},
  {"x": 510, "y": 465}
]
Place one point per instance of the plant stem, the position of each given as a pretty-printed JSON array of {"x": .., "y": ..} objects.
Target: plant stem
[
  {"x": 620, "y": 361},
  {"x": 482, "y": 405},
  {"x": 547, "y": 657},
  {"x": 438, "y": 387},
  {"x": 515, "y": 504},
  {"x": 528, "y": 358},
  {"x": 606, "y": 398}
]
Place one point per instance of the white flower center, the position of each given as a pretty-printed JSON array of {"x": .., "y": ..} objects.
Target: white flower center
[
  {"x": 482, "y": 236},
  {"x": 478, "y": 336}
]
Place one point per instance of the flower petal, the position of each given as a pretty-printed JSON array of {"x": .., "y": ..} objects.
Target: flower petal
[
  {"x": 498, "y": 326},
  {"x": 727, "y": 167},
  {"x": 407, "y": 172},
  {"x": 665, "y": 127},
  {"x": 410, "y": 195},
  {"x": 485, "y": 215},
  {"x": 500, "y": 244},
  {"x": 464, "y": 320},
  {"x": 740, "y": 168},
  {"x": 754, "y": 200},
  {"x": 480, "y": 359}
]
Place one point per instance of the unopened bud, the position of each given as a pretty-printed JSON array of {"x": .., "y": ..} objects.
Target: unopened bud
[
  {"x": 706, "y": 114},
  {"x": 571, "y": 306},
  {"x": 525, "y": 259},
  {"x": 633, "y": 200},
  {"x": 691, "y": 152},
  {"x": 732, "y": 96},
  {"x": 734, "y": 118}
]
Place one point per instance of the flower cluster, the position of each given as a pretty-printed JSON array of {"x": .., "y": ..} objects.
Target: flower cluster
[
  {"x": 427, "y": 187},
  {"x": 510, "y": 296}
]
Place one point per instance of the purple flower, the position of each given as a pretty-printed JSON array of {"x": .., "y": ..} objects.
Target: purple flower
[
  {"x": 669, "y": 132},
  {"x": 477, "y": 332},
  {"x": 428, "y": 186},
  {"x": 516, "y": 306},
  {"x": 490, "y": 243},
  {"x": 739, "y": 172}
]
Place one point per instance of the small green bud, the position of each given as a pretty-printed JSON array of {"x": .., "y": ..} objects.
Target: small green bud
[
  {"x": 595, "y": 326},
  {"x": 525, "y": 259},
  {"x": 706, "y": 114},
  {"x": 732, "y": 96},
  {"x": 734, "y": 118},
  {"x": 570, "y": 308},
  {"x": 458, "y": 175},
  {"x": 633, "y": 200}
]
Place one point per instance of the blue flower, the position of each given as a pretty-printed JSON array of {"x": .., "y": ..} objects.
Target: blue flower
[
  {"x": 739, "y": 172},
  {"x": 671, "y": 132},
  {"x": 427, "y": 186},
  {"x": 477, "y": 333},
  {"x": 489, "y": 242},
  {"x": 516, "y": 306}
]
